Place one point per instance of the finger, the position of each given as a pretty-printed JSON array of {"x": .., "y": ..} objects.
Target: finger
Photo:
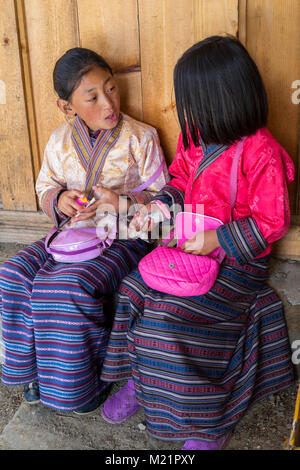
[
  {"x": 72, "y": 207},
  {"x": 70, "y": 202},
  {"x": 132, "y": 225},
  {"x": 75, "y": 193},
  {"x": 78, "y": 218},
  {"x": 136, "y": 221},
  {"x": 69, "y": 212},
  {"x": 89, "y": 210},
  {"x": 148, "y": 225},
  {"x": 187, "y": 248}
]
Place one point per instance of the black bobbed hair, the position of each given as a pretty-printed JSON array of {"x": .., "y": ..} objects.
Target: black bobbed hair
[{"x": 219, "y": 92}]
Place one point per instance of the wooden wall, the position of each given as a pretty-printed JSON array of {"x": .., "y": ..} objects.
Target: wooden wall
[{"x": 142, "y": 40}]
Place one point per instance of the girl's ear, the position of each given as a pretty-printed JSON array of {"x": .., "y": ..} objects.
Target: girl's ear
[{"x": 65, "y": 107}]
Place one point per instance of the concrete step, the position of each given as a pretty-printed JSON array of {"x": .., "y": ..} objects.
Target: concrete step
[{"x": 36, "y": 427}]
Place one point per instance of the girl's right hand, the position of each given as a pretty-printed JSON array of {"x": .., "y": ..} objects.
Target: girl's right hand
[
  {"x": 67, "y": 202},
  {"x": 146, "y": 219}
]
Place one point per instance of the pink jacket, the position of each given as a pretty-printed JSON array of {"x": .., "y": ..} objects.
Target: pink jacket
[{"x": 264, "y": 171}]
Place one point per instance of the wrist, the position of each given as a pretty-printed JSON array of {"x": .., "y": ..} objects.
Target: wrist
[
  {"x": 58, "y": 202},
  {"x": 163, "y": 208}
]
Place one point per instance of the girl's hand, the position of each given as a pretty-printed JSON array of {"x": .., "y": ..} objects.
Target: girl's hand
[
  {"x": 202, "y": 243},
  {"x": 104, "y": 197},
  {"x": 107, "y": 196},
  {"x": 85, "y": 213},
  {"x": 67, "y": 202},
  {"x": 142, "y": 222}
]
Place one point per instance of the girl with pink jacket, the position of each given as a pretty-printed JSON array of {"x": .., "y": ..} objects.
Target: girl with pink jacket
[{"x": 195, "y": 364}]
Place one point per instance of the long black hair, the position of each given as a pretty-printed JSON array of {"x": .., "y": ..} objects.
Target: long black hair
[
  {"x": 219, "y": 92},
  {"x": 71, "y": 67}
]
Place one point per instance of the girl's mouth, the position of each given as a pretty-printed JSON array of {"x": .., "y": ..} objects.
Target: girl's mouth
[{"x": 111, "y": 117}]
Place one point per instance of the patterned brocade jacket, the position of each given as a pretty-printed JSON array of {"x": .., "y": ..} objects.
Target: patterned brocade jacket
[
  {"x": 261, "y": 214},
  {"x": 121, "y": 160}
]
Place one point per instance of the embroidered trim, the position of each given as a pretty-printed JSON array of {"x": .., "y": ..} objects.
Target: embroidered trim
[
  {"x": 92, "y": 157},
  {"x": 242, "y": 239},
  {"x": 209, "y": 156},
  {"x": 49, "y": 204}
]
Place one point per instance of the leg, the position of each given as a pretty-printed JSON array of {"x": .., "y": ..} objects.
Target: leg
[
  {"x": 16, "y": 281},
  {"x": 130, "y": 307},
  {"x": 71, "y": 331},
  {"x": 199, "y": 362},
  {"x": 117, "y": 366}
]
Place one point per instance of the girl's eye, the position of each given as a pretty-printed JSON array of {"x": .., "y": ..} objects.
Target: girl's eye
[
  {"x": 92, "y": 99},
  {"x": 111, "y": 89}
]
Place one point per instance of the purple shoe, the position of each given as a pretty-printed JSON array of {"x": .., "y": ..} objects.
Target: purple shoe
[
  {"x": 121, "y": 406},
  {"x": 219, "y": 444}
]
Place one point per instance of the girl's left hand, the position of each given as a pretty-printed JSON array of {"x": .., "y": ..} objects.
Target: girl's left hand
[
  {"x": 103, "y": 196},
  {"x": 202, "y": 243},
  {"x": 107, "y": 196}
]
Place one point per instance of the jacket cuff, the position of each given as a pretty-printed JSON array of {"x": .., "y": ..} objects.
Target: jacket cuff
[
  {"x": 242, "y": 239},
  {"x": 49, "y": 205},
  {"x": 143, "y": 197}
]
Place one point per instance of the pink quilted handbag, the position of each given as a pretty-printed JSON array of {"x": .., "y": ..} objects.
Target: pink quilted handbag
[{"x": 172, "y": 271}]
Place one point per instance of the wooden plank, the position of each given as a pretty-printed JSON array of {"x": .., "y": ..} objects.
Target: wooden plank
[
  {"x": 23, "y": 227},
  {"x": 167, "y": 29},
  {"x": 52, "y": 30},
  {"x": 273, "y": 42},
  {"x": 288, "y": 246},
  {"x": 215, "y": 17},
  {"x": 114, "y": 34},
  {"x": 242, "y": 27},
  {"x": 24, "y": 51},
  {"x": 111, "y": 29},
  {"x": 130, "y": 87},
  {"x": 16, "y": 171}
]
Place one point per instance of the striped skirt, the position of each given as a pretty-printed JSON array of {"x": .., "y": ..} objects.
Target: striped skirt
[
  {"x": 199, "y": 362},
  {"x": 56, "y": 320}
]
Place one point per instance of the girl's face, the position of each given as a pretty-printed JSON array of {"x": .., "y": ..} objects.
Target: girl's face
[{"x": 96, "y": 100}]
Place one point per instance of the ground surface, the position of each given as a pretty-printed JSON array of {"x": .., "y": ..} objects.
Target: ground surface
[{"x": 266, "y": 426}]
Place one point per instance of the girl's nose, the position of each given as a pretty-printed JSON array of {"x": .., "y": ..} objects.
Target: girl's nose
[{"x": 107, "y": 102}]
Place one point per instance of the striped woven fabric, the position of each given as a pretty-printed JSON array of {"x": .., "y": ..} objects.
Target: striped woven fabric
[
  {"x": 143, "y": 197},
  {"x": 49, "y": 204},
  {"x": 242, "y": 239},
  {"x": 210, "y": 154},
  {"x": 55, "y": 324},
  {"x": 199, "y": 362},
  {"x": 173, "y": 198},
  {"x": 91, "y": 156}
]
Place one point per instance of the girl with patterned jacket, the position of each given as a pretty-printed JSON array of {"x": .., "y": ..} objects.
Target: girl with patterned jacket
[{"x": 54, "y": 315}]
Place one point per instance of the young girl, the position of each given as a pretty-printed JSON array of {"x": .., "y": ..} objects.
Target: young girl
[
  {"x": 55, "y": 324},
  {"x": 197, "y": 363}
]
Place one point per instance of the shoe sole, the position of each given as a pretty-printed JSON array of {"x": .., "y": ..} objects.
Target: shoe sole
[
  {"x": 36, "y": 402},
  {"x": 104, "y": 396},
  {"x": 111, "y": 421},
  {"x": 87, "y": 413}
]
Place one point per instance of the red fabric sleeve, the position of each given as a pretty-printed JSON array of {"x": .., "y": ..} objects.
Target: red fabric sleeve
[{"x": 269, "y": 170}]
